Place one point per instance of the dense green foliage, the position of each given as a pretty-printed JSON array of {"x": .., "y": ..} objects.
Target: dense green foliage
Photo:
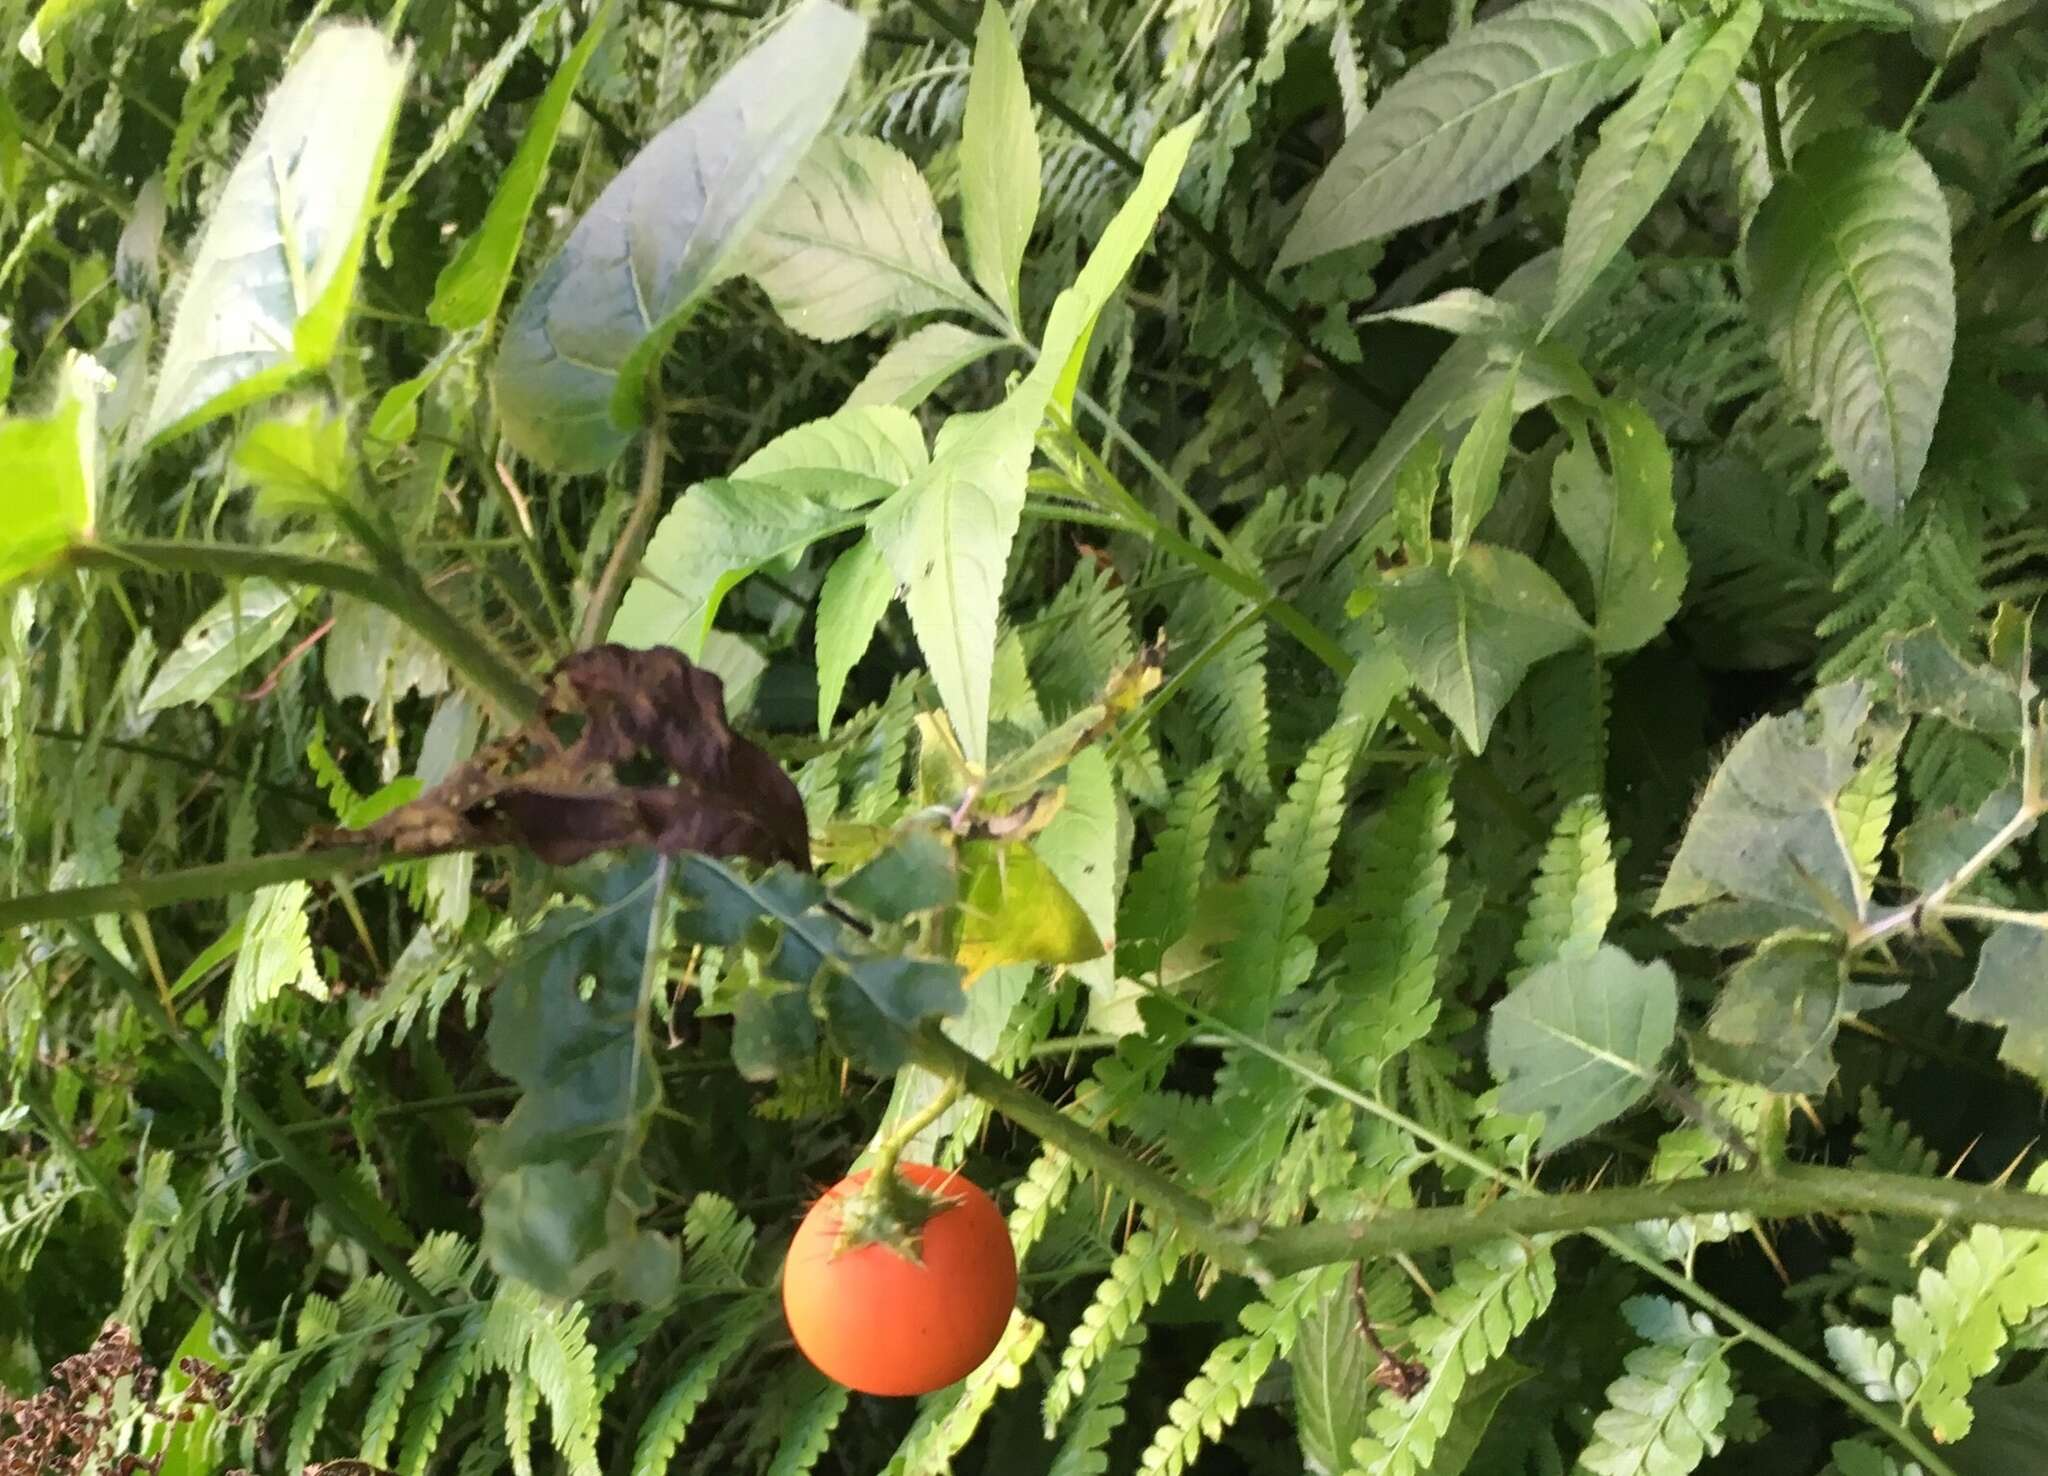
[{"x": 1398, "y": 638}]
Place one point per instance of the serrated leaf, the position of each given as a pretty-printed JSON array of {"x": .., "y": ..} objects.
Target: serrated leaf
[
  {"x": 1644, "y": 142},
  {"x": 1852, "y": 280},
  {"x": 999, "y": 164},
  {"x": 275, "y": 267},
  {"x": 1470, "y": 634},
  {"x": 471, "y": 287},
  {"x": 1332, "y": 1385},
  {"x": 49, "y": 475},
  {"x": 1664, "y": 1414},
  {"x": 1621, "y": 524},
  {"x": 854, "y": 241},
  {"x": 919, "y": 363},
  {"x": 570, "y": 379},
  {"x": 851, "y": 603},
  {"x": 1581, "y": 1040},
  {"x": 2006, "y": 992},
  {"x": 1774, "y": 1023},
  {"x": 248, "y": 621},
  {"x": 1463, "y": 311},
  {"x": 1471, "y": 117}
]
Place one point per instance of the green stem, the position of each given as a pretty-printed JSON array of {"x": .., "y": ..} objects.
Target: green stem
[
  {"x": 469, "y": 653},
  {"x": 1788, "y": 1192},
  {"x": 194, "y": 884},
  {"x": 597, "y": 615},
  {"x": 45, "y": 1113},
  {"x": 329, "y": 1190},
  {"x": 1767, "y": 110}
]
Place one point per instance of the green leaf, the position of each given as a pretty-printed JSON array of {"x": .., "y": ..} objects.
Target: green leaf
[
  {"x": 854, "y": 241},
  {"x": 1766, "y": 828},
  {"x": 1013, "y": 909},
  {"x": 1621, "y": 525},
  {"x": 275, "y": 267},
  {"x": 804, "y": 485},
  {"x": 249, "y": 620},
  {"x": 1774, "y": 1023},
  {"x": 1476, "y": 467},
  {"x": 2006, "y": 992},
  {"x": 1934, "y": 679},
  {"x": 1574, "y": 894},
  {"x": 1581, "y": 1040},
  {"x": 915, "y": 874},
  {"x": 1080, "y": 847},
  {"x": 296, "y": 460},
  {"x": 49, "y": 475},
  {"x": 1664, "y": 1414},
  {"x": 1469, "y": 634},
  {"x": 919, "y": 363},
  {"x": 570, "y": 379},
  {"x": 1472, "y": 117},
  {"x": 471, "y": 287},
  {"x": 564, "y": 1191},
  {"x": 1852, "y": 279},
  {"x": 1644, "y": 142},
  {"x": 851, "y": 603},
  {"x": 998, "y": 162},
  {"x": 1463, "y": 311},
  {"x": 50, "y": 18},
  {"x": 1332, "y": 1370}
]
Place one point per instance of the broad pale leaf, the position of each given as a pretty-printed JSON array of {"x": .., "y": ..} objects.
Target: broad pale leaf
[
  {"x": 1081, "y": 848},
  {"x": 1472, "y": 117},
  {"x": 854, "y": 241},
  {"x": 1470, "y": 633},
  {"x": 1476, "y": 468},
  {"x": 998, "y": 162},
  {"x": 1332, "y": 1370},
  {"x": 851, "y": 603},
  {"x": 570, "y": 380},
  {"x": 2006, "y": 992},
  {"x": 472, "y": 285},
  {"x": 49, "y": 474},
  {"x": 1463, "y": 310},
  {"x": 806, "y": 484},
  {"x": 276, "y": 266},
  {"x": 1581, "y": 1040},
  {"x": 1645, "y": 141},
  {"x": 919, "y": 363},
  {"x": 1852, "y": 278},
  {"x": 249, "y": 620},
  {"x": 1620, "y": 523}
]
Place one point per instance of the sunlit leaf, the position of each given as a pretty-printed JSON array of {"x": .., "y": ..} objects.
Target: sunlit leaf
[
  {"x": 570, "y": 379},
  {"x": 998, "y": 162},
  {"x": 49, "y": 474},
  {"x": 919, "y": 363},
  {"x": 275, "y": 268},
  {"x": 248, "y": 622},
  {"x": 851, "y": 602},
  {"x": 1014, "y": 910}
]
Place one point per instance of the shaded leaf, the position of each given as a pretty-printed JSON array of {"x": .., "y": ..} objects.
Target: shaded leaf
[
  {"x": 275, "y": 267},
  {"x": 854, "y": 241},
  {"x": 1774, "y": 1023},
  {"x": 998, "y": 162},
  {"x": 1644, "y": 142},
  {"x": 2006, "y": 992},
  {"x": 1933, "y": 678},
  {"x": 1853, "y": 281},
  {"x": 471, "y": 287},
  {"x": 570, "y": 379},
  {"x": 1471, "y": 117},
  {"x": 1332, "y": 1370},
  {"x": 1469, "y": 634},
  {"x": 1581, "y": 1040},
  {"x": 1621, "y": 525},
  {"x": 1476, "y": 467},
  {"x": 915, "y": 874}
]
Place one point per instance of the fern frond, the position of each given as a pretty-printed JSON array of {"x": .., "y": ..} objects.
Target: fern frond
[
  {"x": 1224, "y": 700},
  {"x": 1387, "y": 997},
  {"x": 447, "y": 1378},
  {"x": 717, "y": 1240},
  {"x": 1080, "y": 637},
  {"x": 807, "y": 1434},
  {"x": 1664, "y": 1414},
  {"x": 1496, "y": 1291},
  {"x": 1137, "y": 1278},
  {"x": 1962, "y": 1316},
  {"x": 661, "y": 1434},
  {"x": 1217, "y": 1395},
  {"x": 1159, "y": 904},
  {"x": 1098, "y": 1415},
  {"x": 1872, "y": 1363},
  {"x": 948, "y": 1420},
  {"x": 1574, "y": 897}
]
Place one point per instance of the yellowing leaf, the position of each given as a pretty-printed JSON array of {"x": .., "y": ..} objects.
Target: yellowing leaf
[{"x": 1014, "y": 910}]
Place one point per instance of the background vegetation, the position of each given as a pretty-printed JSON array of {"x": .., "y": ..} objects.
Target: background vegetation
[{"x": 1401, "y": 634}]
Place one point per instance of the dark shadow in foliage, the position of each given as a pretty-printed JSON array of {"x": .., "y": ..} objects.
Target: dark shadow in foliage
[{"x": 630, "y": 749}]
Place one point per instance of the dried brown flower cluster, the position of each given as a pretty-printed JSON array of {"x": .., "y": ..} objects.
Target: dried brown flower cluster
[{"x": 65, "y": 1430}]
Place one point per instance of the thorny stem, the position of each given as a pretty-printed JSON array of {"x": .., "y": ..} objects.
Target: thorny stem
[
  {"x": 193, "y": 884},
  {"x": 597, "y": 615}
]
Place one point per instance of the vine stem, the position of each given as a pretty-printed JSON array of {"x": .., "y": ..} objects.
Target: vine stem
[
  {"x": 597, "y": 615},
  {"x": 328, "y": 1189},
  {"x": 192, "y": 884}
]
